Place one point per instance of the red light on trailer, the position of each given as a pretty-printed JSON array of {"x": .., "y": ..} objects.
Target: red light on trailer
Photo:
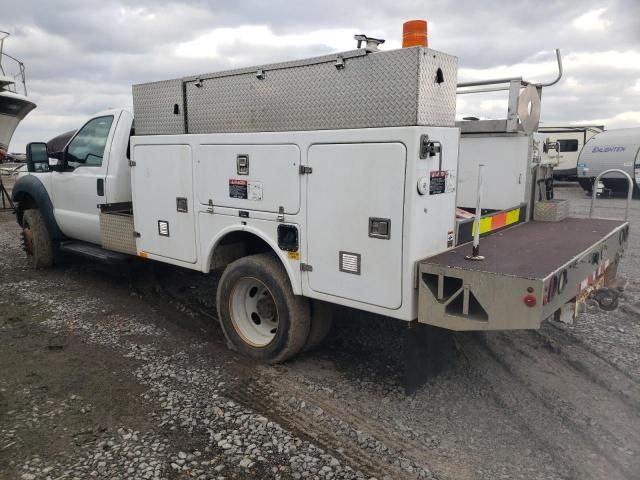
[{"x": 530, "y": 300}]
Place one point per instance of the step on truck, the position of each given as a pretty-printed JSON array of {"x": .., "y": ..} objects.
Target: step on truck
[{"x": 336, "y": 180}]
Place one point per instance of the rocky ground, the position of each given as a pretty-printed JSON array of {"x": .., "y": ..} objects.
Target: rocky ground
[{"x": 121, "y": 375}]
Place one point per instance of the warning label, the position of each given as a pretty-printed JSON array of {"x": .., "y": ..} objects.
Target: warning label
[
  {"x": 238, "y": 188},
  {"x": 438, "y": 182},
  {"x": 245, "y": 189},
  {"x": 442, "y": 181}
]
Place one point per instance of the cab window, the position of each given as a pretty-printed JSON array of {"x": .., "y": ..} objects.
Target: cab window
[{"x": 87, "y": 148}]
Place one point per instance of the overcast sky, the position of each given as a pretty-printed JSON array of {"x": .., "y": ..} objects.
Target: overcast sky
[{"x": 82, "y": 56}]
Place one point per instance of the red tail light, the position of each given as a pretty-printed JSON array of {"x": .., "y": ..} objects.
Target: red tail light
[{"x": 530, "y": 300}]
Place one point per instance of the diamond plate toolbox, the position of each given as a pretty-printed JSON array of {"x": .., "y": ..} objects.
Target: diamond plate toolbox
[
  {"x": 117, "y": 233},
  {"x": 355, "y": 89},
  {"x": 158, "y": 108}
]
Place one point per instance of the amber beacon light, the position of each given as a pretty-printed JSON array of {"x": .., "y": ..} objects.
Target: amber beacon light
[{"x": 414, "y": 34}]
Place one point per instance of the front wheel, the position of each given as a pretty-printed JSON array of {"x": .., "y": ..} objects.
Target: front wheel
[
  {"x": 259, "y": 314},
  {"x": 36, "y": 240}
]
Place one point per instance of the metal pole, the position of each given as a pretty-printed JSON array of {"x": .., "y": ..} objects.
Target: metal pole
[
  {"x": 594, "y": 193},
  {"x": 475, "y": 251}
]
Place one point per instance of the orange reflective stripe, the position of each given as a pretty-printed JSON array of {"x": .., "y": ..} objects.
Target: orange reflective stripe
[{"x": 499, "y": 220}]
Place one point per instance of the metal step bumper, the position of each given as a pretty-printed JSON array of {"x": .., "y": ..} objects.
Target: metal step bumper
[{"x": 530, "y": 271}]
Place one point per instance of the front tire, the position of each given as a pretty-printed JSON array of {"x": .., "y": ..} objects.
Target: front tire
[
  {"x": 36, "y": 240},
  {"x": 258, "y": 312}
]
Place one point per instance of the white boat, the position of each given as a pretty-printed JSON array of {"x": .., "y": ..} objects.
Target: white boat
[{"x": 14, "y": 104}]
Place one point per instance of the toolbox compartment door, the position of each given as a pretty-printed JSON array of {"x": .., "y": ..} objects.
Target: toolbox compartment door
[
  {"x": 249, "y": 177},
  {"x": 163, "y": 201},
  {"x": 351, "y": 187}
]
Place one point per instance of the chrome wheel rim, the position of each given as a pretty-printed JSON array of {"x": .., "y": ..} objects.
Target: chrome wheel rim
[{"x": 253, "y": 312}]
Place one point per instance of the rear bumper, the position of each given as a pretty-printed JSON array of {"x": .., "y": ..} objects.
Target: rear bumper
[{"x": 531, "y": 270}]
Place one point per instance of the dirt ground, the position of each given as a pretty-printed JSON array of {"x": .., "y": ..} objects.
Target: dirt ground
[{"x": 119, "y": 375}]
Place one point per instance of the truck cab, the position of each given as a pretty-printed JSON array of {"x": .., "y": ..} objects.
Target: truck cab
[{"x": 91, "y": 170}]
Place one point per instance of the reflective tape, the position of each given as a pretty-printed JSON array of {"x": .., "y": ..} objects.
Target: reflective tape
[{"x": 497, "y": 221}]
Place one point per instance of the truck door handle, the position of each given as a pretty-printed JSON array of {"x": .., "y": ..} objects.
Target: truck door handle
[{"x": 100, "y": 187}]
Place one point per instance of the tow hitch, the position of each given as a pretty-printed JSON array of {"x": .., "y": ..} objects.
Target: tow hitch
[{"x": 607, "y": 298}]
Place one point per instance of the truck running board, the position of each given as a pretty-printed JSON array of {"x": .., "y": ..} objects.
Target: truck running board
[
  {"x": 529, "y": 273},
  {"x": 95, "y": 252}
]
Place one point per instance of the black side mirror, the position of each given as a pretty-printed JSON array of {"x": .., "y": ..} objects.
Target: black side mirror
[{"x": 37, "y": 157}]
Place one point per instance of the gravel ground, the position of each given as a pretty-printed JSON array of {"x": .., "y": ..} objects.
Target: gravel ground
[{"x": 108, "y": 374}]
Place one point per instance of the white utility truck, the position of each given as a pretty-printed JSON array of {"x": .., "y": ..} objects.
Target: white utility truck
[{"x": 326, "y": 180}]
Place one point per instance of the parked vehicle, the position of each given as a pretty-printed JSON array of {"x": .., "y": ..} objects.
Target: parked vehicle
[
  {"x": 330, "y": 180},
  {"x": 619, "y": 149},
  {"x": 14, "y": 104},
  {"x": 570, "y": 139}
]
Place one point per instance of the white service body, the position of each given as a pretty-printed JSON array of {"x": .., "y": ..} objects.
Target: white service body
[{"x": 357, "y": 174}]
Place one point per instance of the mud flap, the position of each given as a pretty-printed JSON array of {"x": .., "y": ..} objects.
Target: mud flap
[{"x": 427, "y": 351}]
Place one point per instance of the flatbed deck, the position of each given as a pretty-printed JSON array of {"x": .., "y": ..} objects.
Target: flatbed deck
[
  {"x": 531, "y": 250},
  {"x": 530, "y": 272}
]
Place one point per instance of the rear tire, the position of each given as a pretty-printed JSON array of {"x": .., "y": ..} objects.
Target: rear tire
[
  {"x": 36, "y": 239},
  {"x": 258, "y": 312}
]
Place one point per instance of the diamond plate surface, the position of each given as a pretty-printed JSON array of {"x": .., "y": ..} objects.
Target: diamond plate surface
[
  {"x": 437, "y": 101},
  {"x": 153, "y": 108},
  {"x": 551, "y": 210},
  {"x": 394, "y": 88},
  {"x": 117, "y": 233}
]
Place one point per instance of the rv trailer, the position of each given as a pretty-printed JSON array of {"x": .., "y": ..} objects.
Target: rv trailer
[
  {"x": 612, "y": 149},
  {"x": 570, "y": 139}
]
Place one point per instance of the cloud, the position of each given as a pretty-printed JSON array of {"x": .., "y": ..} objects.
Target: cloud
[
  {"x": 591, "y": 20},
  {"x": 82, "y": 56}
]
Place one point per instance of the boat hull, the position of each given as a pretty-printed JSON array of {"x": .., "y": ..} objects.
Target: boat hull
[{"x": 13, "y": 109}]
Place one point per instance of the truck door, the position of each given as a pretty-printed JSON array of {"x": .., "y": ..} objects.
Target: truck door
[
  {"x": 80, "y": 187},
  {"x": 355, "y": 204}
]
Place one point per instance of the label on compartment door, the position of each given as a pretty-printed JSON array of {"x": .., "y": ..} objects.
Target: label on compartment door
[
  {"x": 244, "y": 189},
  {"x": 237, "y": 188},
  {"x": 254, "y": 191},
  {"x": 442, "y": 181}
]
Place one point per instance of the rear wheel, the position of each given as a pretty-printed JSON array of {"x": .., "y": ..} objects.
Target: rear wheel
[
  {"x": 36, "y": 240},
  {"x": 258, "y": 312}
]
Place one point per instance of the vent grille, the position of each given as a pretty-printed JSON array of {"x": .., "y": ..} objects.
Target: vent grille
[
  {"x": 163, "y": 228},
  {"x": 350, "y": 262}
]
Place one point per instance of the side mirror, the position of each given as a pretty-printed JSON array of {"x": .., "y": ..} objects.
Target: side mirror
[{"x": 37, "y": 157}]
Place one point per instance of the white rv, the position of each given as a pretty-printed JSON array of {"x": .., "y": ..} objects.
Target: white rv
[
  {"x": 611, "y": 149},
  {"x": 570, "y": 139}
]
